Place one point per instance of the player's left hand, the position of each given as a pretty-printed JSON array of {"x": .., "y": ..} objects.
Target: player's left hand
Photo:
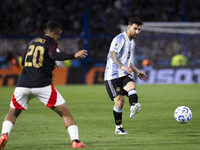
[
  {"x": 81, "y": 53},
  {"x": 142, "y": 75}
]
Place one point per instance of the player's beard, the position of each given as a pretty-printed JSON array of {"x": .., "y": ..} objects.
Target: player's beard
[{"x": 134, "y": 36}]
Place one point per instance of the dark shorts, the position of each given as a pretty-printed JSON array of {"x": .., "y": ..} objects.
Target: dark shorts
[{"x": 115, "y": 87}]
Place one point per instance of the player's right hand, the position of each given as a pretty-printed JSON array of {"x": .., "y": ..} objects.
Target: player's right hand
[
  {"x": 81, "y": 53},
  {"x": 126, "y": 68}
]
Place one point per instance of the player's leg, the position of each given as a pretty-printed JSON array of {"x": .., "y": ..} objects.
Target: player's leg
[
  {"x": 115, "y": 93},
  {"x": 135, "y": 107},
  {"x": 130, "y": 87},
  {"x": 54, "y": 100},
  {"x": 64, "y": 112},
  {"x": 18, "y": 102},
  {"x": 70, "y": 124},
  {"x": 8, "y": 125},
  {"x": 117, "y": 109},
  {"x": 117, "y": 112},
  {"x": 10, "y": 119}
]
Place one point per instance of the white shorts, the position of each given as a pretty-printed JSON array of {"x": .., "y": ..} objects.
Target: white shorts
[{"x": 47, "y": 95}]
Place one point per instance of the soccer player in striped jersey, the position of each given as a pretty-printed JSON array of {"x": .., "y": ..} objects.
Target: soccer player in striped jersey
[
  {"x": 119, "y": 73},
  {"x": 36, "y": 81}
]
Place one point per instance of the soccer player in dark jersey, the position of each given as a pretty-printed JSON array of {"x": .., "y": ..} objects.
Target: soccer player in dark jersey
[{"x": 35, "y": 81}]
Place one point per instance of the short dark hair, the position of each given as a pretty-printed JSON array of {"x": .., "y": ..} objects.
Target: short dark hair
[
  {"x": 135, "y": 20},
  {"x": 53, "y": 25}
]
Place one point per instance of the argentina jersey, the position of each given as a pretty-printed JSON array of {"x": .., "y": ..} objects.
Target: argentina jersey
[{"x": 125, "y": 52}]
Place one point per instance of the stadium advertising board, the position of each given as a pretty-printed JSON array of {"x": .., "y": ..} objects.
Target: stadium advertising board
[
  {"x": 63, "y": 76},
  {"x": 9, "y": 77},
  {"x": 155, "y": 76},
  {"x": 171, "y": 76}
]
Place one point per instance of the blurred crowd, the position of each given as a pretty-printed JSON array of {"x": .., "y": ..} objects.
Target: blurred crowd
[{"x": 28, "y": 17}]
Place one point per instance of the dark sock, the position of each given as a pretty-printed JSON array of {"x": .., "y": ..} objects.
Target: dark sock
[
  {"x": 78, "y": 141},
  {"x": 133, "y": 98},
  {"x": 118, "y": 117}
]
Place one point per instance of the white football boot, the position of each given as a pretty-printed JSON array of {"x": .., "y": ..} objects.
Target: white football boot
[
  {"x": 135, "y": 110},
  {"x": 120, "y": 130}
]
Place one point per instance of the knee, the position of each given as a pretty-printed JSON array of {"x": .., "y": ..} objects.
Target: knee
[
  {"x": 119, "y": 101},
  {"x": 130, "y": 86}
]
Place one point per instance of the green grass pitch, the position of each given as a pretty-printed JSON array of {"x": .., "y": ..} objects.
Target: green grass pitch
[{"x": 154, "y": 128}]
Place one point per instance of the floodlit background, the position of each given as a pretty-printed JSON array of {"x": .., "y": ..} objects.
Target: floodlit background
[{"x": 169, "y": 39}]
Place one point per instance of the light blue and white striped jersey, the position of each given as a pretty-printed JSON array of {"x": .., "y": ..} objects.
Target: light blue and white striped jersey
[{"x": 125, "y": 52}]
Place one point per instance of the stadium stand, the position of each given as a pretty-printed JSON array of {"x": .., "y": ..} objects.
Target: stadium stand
[{"x": 27, "y": 18}]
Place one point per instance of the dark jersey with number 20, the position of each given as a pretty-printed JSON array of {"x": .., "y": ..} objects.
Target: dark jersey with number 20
[{"x": 38, "y": 62}]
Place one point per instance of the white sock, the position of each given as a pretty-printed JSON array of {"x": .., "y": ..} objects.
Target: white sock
[
  {"x": 73, "y": 132},
  {"x": 118, "y": 126},
  {"x": 6, "y": 127}
]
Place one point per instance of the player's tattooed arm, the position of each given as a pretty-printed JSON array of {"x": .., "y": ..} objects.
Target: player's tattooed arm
[{"x": 115, "y": 58}]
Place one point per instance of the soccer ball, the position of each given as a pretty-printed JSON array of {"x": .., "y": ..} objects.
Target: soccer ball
[{"x": 183, "y": 114}]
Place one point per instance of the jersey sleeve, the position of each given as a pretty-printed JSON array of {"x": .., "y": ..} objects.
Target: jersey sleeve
[
  {"x": 60, "y": 56},
  {"x": 117, "y": 43},
  {"x": 55, "y": 53}
]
